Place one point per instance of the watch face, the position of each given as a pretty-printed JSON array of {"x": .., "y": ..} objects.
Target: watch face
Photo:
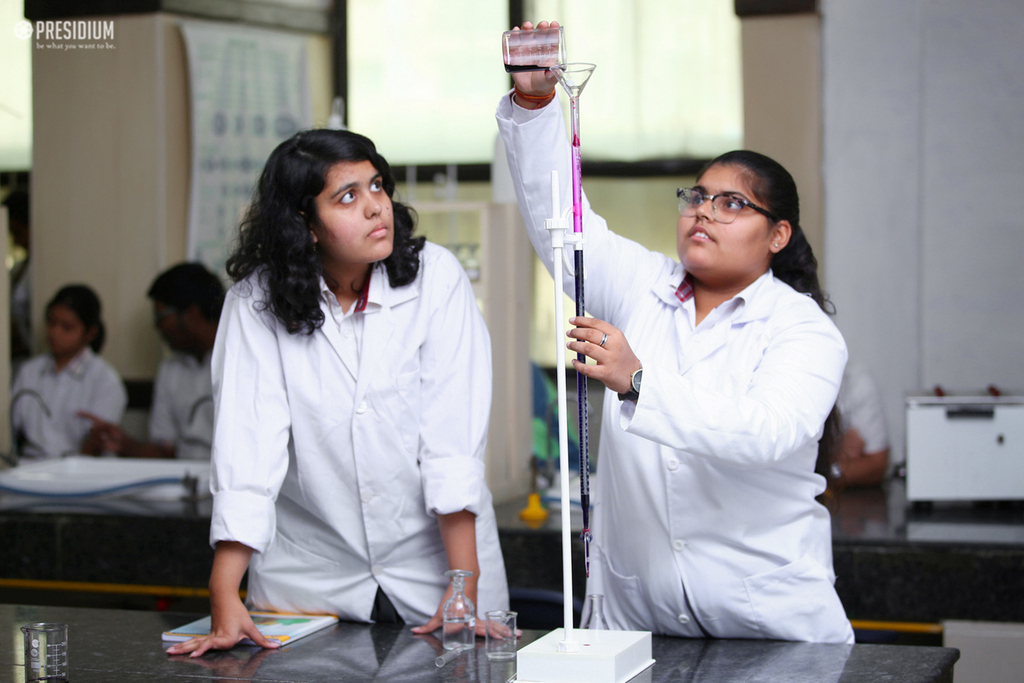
[{"x": 636, "y": 379}]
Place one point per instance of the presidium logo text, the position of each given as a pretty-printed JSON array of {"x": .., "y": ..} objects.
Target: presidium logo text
[{"x": 67, "y": 34}]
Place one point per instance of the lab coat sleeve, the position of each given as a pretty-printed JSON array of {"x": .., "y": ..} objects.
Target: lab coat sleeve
[
  {"x": 252, "y": 422},
  {"x": 455, "y": 386},
  {"x": 17, "y": 410},
  {"x": 161, "y": 420},
  {"x": 617, "y": 269},
  {"x": 860, "y": 405},
  {"x": 791, "y": 392},
  {"x": 108, "y": 398}
]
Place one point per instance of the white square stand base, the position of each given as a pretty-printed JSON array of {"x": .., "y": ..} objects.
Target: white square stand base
[{"x": 603, "y": 657}]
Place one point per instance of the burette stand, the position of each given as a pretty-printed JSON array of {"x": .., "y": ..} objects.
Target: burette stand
[{"x": 570, "y": 655}]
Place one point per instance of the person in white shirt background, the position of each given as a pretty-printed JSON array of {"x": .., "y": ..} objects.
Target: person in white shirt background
[
  {"x": 863, "y": 458},
  {"x": 352, "y": 384},
  {"x": 727, "y": 367},
  {"x": 187, "y": 300},
  {"x": 51, "y": 389}
]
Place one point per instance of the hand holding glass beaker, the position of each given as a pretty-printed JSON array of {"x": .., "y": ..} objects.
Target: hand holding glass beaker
[
  {"x": 533, "y": 49},
  {"x": 530, "y": 66}
]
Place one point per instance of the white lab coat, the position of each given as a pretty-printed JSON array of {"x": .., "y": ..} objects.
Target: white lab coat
[
  {"x": 704, "y": 517},
  {"x": 182, "y": 413},
  {"x": 332, "y": 460}
]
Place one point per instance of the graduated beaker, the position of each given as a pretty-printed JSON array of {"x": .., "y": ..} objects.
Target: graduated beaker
[
  {"x": 46, "y": 652},
  {"x": 534, "y": 50}
]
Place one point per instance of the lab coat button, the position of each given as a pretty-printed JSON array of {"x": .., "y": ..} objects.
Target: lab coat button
[
  {"x": 348, "y": 334},
  {"x": 678, "y": 545},
  {"x": 362, "y": 408},
  {"x": 377, "y": 570},
  {"x": 673, "y": 465},
  {"x": 683, "y": 619},
  {"x": 366, "y": 496}
]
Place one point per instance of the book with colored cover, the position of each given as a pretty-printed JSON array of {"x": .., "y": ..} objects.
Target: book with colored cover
[{"x": 279, "y": 626}]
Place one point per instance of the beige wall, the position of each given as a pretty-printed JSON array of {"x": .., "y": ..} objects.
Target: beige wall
[
  {"x": 109, "y": 177},
  {"x": 111, "y": 172},
  {"x": 782, "y": 104}
]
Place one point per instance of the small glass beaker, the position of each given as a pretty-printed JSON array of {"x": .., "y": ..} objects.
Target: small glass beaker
[
  {"x": 46, "y": 652},
  {"x": 593, "y": 613},
  {"x": 501, "y": 634},
  {"x": 534, "y": 50},
  {"x": 459, "y": 613}
]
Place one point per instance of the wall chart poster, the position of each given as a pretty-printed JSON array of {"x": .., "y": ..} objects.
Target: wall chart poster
[{"x": 249, "y": 91}]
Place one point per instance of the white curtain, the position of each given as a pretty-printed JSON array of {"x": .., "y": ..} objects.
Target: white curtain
[
  {"x": 424, "y": 77},
  {"x": 16, "y": 88},
  {"x": 668, "y": 81}
]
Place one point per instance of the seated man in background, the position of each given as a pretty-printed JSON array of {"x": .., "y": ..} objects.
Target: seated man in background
[
  {"x": 863, "y": 458},
  {"x": 187, "y": 301}
]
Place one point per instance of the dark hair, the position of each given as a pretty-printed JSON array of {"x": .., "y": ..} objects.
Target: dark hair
[
  {"x": 775, "y": 189},
  {"x": 83, "y": 302},
  {"x": 274, "y": 238},
  {"x": 795, "y": 264},
  {"x": 17, "y": 206},
  {"x": 186, "y": 284}
]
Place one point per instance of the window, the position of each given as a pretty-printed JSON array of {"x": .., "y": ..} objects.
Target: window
[
  {"x": 424, "y": 78},
  {"x": 668, "y": 82},
  {"x": 15, "y": 88}
]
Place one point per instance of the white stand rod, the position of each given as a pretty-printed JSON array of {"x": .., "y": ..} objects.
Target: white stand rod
[{"x": 556, "y": 228}]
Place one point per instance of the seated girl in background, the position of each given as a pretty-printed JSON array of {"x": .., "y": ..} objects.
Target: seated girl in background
[{"x": 52, "y": 388}]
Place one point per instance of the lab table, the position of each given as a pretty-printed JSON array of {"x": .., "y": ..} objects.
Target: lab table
[
  {"x": 125, "y": 645},
  {"x": 892, "y": 563}
]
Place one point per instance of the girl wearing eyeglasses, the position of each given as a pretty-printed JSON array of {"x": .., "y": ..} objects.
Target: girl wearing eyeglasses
[
  {"x": 51, "y": 389},
  {"x": 722, "y": 370}
]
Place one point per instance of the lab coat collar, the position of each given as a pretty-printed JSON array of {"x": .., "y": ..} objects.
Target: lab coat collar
[
  {"x": 381, "y": 295},
  {"x": 378, "y": 324},
  {"x": 751, "y": 306},
  {"x": 76, "y": 368}
]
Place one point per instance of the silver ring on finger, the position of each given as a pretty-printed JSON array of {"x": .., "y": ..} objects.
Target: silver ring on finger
[{"x": 603, "y": 340}]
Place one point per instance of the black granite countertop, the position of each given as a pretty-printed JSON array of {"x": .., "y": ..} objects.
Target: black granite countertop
[
  {"x": 122, "y": 645},
  {"x": 892, "y": 561}
]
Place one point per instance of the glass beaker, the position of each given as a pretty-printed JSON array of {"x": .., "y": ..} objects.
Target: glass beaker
[
  {"x": 593, "y": 613},
  {"x": 501, "y": 634},
  {"x": 534, "y": 50},
  {"x": 46, "y": 652},
  {"x": 459, "y": 613}
]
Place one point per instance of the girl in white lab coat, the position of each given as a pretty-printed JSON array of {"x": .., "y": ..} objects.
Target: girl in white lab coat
[
  {"x": 352, "y": 388},
  {"x": 722, "y": 370},
  {"x": 51, "y": 389}
]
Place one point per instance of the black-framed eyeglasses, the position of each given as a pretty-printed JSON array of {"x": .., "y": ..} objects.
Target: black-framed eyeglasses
[{"x": 724, "y": 207}]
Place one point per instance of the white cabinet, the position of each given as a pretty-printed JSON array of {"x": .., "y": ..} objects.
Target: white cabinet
[{"x": 965, "y": 448}]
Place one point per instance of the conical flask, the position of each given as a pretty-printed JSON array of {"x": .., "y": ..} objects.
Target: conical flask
[{"x": 593, "y": 613}]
